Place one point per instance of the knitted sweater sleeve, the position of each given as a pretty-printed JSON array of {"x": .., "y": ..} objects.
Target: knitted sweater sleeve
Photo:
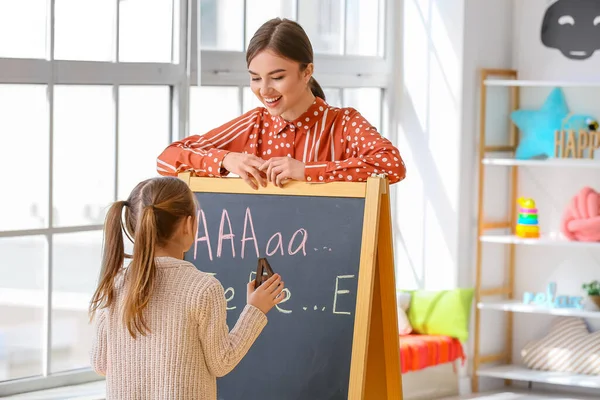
[
  {"x": 98, "y": 353},
  {"x": 223, "y": 349}
]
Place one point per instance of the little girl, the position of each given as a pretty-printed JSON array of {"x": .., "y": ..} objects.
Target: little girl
[{"x": 160, "y": 324}]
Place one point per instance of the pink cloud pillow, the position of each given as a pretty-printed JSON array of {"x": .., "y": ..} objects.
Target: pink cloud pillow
[{"x": 581, "y": 218}]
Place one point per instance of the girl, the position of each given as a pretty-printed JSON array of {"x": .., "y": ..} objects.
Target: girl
[
  {"x": 296, "y": 135},
  {"x": 160, "y": 324}
]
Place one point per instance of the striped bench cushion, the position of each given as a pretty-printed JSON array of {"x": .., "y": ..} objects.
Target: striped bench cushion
[
  {"x": 568, "y": 347},
  {"x": 421, "y": 351}
]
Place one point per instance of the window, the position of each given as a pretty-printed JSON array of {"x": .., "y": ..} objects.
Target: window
[
  {"x": 347, "y": 38},
  {"x": 90, "y": 93},
  {"x": 87, "y": 104}
]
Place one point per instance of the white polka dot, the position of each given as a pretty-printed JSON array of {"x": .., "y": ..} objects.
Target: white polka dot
[
  {"x": 264, "y": 152},
  {"x": 397, "y": 165},
  {"x": 359, "y": 163},
  {"x": 341, "y": 176},
  {"x": 378, "y": 156},
  {"x": 308, "y": 178},
  {"x": 320, "y": 109},
  {"x": 320, "y": 178},
  {"x": 316, "y": 113},
  {"x": 347, "y": 150},
  {"x": 342, "y": 140},
  {"x": 287, "y": 145},
  {"x": 269, "y": 151},
  {"x": 377, "y": 164},
  {"x": 270, "y": 142},
  {"x": 276, "y": 147},
  {"x": 259, "y": 141},
  {"x": 349, "y": 177},
  {"x": 348, "y": 138},
  {"x": 346, "y": 112},
  {"x": 284, "y": 135},
  {"x": 384, "y": 159},
  {"x": 331, "y": 177},
  {"x": 354, "y": 124},
  {"x": 289, "y": 155},
  {"x": 216, "y": 160},
  {"x": 395, "y": 159},
  {"x": 389, "y": 164},
  {"x": 357, "y": 169},
  {"x": 263, "y": 132},
  {"x": 266, "y": 124},
  {"x": 299, "y": 124},
  {"x": 210, "y": 169},
  {"x": 307, "y": 119},
  {"x": 211, "y": 175},
  {"x": 251, "y": 145},
  {"x": 305, "y": 127},
  {"x": 210, "y": 154},
  {"x": 360, "y": 179},
  {"x": 372, "y": 147},
  {"x": 356, "y": 130},
  {"x": 256, "y": 125},
  {"x": 345, "y": 169}
]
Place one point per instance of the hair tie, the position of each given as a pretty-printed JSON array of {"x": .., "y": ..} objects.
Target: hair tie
[{"x": 126, "y": 204}]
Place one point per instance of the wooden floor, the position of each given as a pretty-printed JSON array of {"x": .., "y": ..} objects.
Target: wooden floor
[{"x": 516, "y": 395}]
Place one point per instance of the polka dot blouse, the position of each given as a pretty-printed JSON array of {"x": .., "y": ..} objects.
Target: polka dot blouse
[{"x": 335, "y": 144}]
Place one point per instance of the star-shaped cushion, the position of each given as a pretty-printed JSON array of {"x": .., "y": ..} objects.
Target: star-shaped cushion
[
  {"x": 568, "y": 347},
  {"x": 539, "y": 126}
]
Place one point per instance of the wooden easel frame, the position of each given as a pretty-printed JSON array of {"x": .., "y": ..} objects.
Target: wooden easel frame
[{"x": 375, "y": 366}]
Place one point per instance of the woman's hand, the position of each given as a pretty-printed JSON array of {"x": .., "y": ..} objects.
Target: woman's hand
[
  {"x": 281, "y": 169},
  {"x": 268, "y": 295},
  {"x": 247, "y": 167}
]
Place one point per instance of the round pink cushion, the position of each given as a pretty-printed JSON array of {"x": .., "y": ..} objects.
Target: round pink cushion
[{"x": 581, "y": 218}]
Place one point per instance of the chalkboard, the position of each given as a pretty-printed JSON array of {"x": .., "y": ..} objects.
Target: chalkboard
[{"x": 305, "y": 350}]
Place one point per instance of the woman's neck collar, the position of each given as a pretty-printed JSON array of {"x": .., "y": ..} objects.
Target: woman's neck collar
[{"x": 300, "y": 108}]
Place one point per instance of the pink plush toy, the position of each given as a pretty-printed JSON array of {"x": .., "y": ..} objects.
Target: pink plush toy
[{"x": 581, "y": 219}]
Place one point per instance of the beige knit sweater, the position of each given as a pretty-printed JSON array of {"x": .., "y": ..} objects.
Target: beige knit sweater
[{"x": 189, "y": 346}]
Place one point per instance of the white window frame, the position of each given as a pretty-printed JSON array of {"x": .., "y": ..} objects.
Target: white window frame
[
  {"x": 228, "y": 68},
  {"x": 218, "y": 68},
  {"x": 52, "y": 72}
]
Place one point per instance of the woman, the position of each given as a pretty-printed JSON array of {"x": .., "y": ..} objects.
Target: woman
[{"x": 296, "y": 135}]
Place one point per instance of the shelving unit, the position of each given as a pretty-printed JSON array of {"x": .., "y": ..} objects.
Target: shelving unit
[{"x": 502, "y": 156}]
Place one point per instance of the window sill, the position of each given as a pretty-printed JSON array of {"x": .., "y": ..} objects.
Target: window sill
[{"x": 86, "y": 391}]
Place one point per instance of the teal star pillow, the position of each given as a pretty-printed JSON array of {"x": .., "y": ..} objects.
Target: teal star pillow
[{"x": 538, "y": 127}]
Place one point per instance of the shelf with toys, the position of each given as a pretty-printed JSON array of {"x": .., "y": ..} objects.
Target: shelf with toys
[
  {"x": 553, "y": 162},
  {"x": 552, "y": 137},
  {"x": 543, "y": 240}
]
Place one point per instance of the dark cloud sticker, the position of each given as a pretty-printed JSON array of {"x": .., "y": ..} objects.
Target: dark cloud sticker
[{"x": 573, "y": 27}]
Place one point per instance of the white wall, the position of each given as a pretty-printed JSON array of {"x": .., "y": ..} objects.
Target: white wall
[
  {"x": 429, "y": 138},
  {"x": 535, "y": 61}
]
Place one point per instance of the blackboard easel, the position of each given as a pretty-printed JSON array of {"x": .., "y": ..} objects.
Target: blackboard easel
[{"x": 375, "y": 360}]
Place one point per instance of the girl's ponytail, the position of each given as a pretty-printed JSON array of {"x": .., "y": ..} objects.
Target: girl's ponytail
[
  {"x": 141, "y": 272},
  {"x": 155, "y": 209},
  {"x": 112, "y": 258}
]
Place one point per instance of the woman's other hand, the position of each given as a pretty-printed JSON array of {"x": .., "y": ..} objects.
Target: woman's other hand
[
  {"x": 247, "y": 166},
  {"x": 281, "y": 169}
]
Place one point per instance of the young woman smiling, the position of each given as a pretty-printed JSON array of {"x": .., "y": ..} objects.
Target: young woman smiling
[{"x": 296, "y": 136}]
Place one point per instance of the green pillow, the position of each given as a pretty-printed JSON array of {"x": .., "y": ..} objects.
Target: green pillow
[{"x": 444, "y": 312}]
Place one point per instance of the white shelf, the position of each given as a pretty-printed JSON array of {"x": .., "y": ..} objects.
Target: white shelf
[
  {"x": 551, "y": 162},
  {"x": 518, "y": 373},
  {"x": 517, "y": 306},
  {"x": 542, "y": 241},
  {"x": 533, "y": 83}
]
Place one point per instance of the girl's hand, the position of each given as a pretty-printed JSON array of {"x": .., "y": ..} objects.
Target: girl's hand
[
  {"x": 281, "y": 169},
  {"x": 247, "y": 167},
  {"x": 267, "y": 295}
]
